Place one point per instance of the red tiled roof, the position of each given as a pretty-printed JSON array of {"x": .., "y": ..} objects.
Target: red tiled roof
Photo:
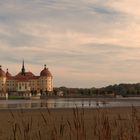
[
  {"x": 35, "y": 77},
  {"x": 28, "y": 76},
  {"x": 8, "y": 74},
  {"x": 46, "y": 72},
  {"x": 11, "y": 78}
]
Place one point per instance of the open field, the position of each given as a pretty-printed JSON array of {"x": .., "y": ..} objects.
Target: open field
[{"x": 70, "y": 124}]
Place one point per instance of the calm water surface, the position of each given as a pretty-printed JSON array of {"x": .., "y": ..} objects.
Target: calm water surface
[{"x": 68, "y": 103}]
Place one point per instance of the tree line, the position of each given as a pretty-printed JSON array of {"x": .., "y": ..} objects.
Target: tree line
[{"x": 117, "y": 89}]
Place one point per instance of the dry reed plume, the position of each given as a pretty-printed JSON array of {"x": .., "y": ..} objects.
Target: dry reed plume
[{"x": 98, "y": 124}]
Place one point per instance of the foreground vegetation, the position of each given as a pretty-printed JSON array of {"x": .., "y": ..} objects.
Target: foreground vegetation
[{"x": 72, "y": 124}]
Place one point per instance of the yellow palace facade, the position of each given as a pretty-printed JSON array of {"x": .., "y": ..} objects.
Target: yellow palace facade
[{"x": 26, "y": 83}]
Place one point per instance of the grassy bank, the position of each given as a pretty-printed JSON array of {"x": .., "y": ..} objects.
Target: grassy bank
[
  {"x": 70, "y": 124},
  {"x": 17, "y": 97}
]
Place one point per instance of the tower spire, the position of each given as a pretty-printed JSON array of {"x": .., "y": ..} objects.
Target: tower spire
[
  {"x": 23, "y": 68},
  {"x": 44, "y": 66}
]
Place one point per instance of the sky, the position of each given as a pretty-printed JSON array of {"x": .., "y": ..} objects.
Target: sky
[{"x": 84, "y": 43}]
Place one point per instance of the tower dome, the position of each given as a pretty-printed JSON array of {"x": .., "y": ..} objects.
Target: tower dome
[
  {"x": 2, "y": 73},
  {"x": 45, "y": 72},
  {"x": 8, "y": 74}
]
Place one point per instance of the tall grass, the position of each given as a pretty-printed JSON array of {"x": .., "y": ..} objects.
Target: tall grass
[{"x": 100, "y": 124}]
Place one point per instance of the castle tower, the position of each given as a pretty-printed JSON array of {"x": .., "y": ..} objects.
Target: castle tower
[
  {"x": 23, "y": 69},
  {"x": 46, "y": 81}
]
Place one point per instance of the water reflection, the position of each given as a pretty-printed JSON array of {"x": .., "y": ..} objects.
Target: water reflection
[{"x": 65, "y": 103}]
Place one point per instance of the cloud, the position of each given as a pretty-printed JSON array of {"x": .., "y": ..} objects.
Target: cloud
[{"x": 84, "y": 43}]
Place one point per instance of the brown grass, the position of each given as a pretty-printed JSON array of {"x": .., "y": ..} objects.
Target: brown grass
[{"x": 71, "y": 124}]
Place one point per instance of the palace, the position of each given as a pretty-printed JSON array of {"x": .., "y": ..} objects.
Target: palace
[{"x": 26, "y": 83}]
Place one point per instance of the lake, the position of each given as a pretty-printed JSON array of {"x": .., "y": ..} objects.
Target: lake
[{"x": 69, "y": 103}]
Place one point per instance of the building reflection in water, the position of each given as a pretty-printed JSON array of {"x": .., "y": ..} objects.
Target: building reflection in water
[
  {"x": 18, "y": 105},
  {"x": 49, "y": 103},
  {"x": 36, "y": 105},
  {"x": 61, "y": 103},
  {"x": 3, "y": 106}
]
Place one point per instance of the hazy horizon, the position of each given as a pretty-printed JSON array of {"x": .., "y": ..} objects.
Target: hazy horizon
[{"x": 92, "y": 43}]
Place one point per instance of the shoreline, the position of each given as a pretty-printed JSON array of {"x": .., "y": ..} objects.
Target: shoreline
[
  {"x": 79, "y": 98},
  {"x": 69, "y": 109}
]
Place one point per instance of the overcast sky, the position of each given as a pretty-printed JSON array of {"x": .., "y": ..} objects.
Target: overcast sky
[{"x": 85, "y": 43}]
